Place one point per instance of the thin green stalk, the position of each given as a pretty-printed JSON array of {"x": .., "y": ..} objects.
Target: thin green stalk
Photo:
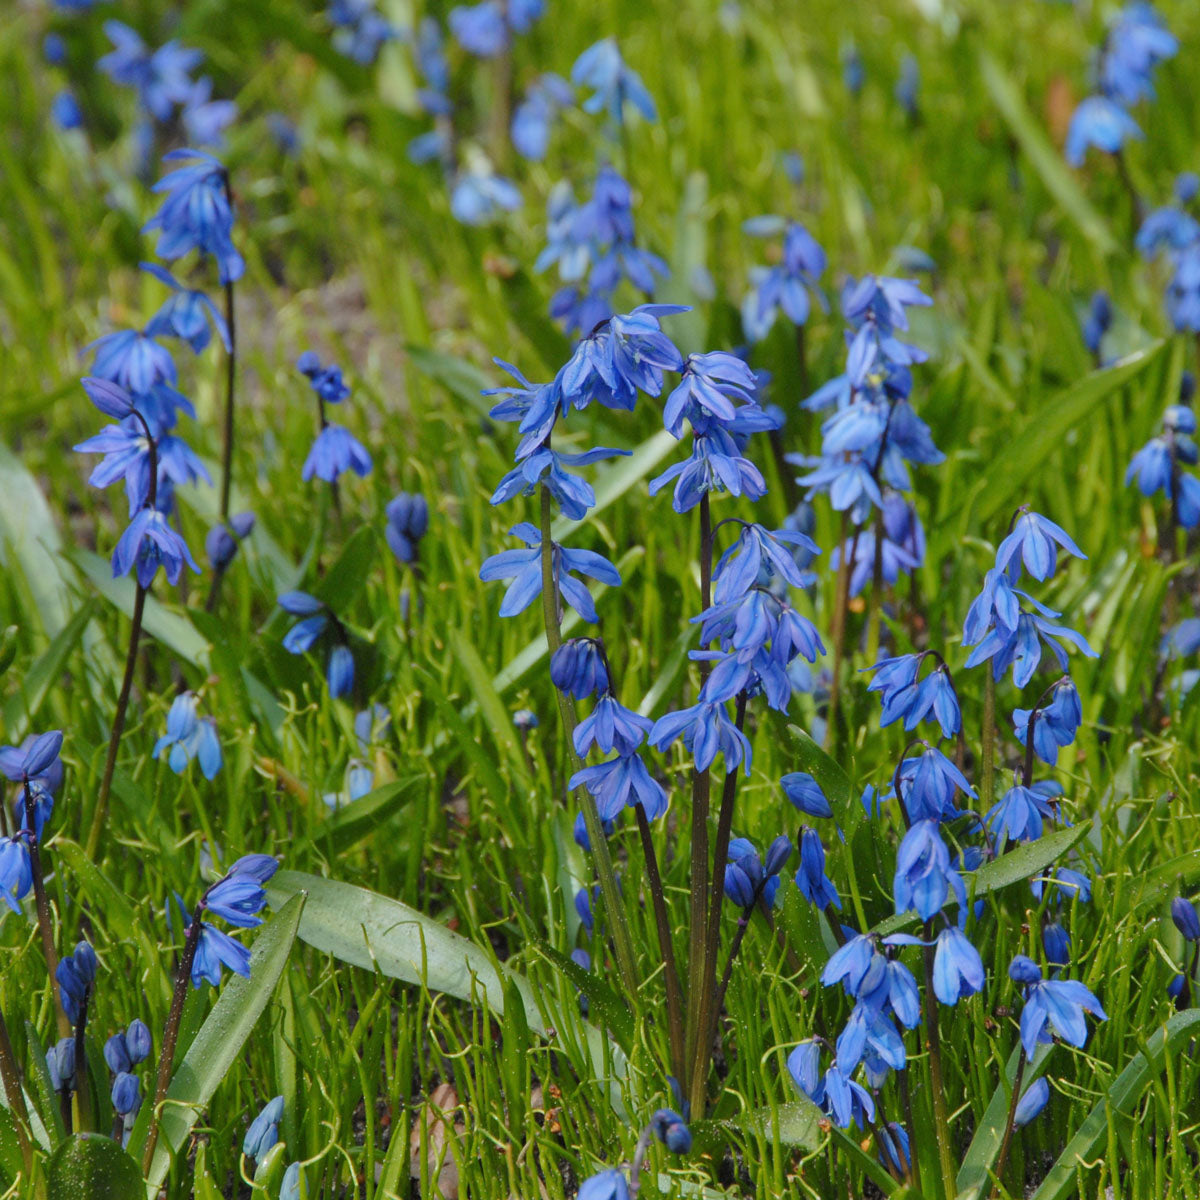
[
  {"x": 10, "y": 1077},
  {"x": 714, "y": 1008},
  {"x": 100, "y": 812},
  {"x": 665, "y": 945},
  {"x": 610, "y": 894},
  {"x": 987, "y": 782},
  {"x": 1009, "y": 1124},
  {"x": 906, "y": 1101},
  {"x": 698, "y": 876},
  {"x": 82, "y": 1100},
  {"x": 837, "y": 634},
  {"x": 941, "y": 1116},
  {"x": 166, "y": 1059},
  {"x": 230, "y": 382},
  {"x": 875, "y": 600}
]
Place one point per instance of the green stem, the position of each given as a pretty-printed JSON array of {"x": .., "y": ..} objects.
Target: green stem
[
  {"x": 230, "y": 382},
  {"x": 609, "y": 892},
  {"x": 876, "y": 599},
  {"x": 941, "y": 1117},
  {"x": 100, "y": 813},
  {"x": 10, "y": 1077},
  {"x": 987, "y": 783},
  {"x": 166, "y": 1059},
  {"x": 837, "y": 631},
  {"x": 914, "y": 1161},
  {"x": 714, "y": 1008},
  {"x": 665, "y": 945},
  {"x": 1009, "y": 1124}
]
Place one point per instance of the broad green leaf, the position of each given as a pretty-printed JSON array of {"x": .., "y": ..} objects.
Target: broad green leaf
[
  {"x": 11, "y": 1159},
  {"x": 1122, "y": 1096},
  {"x": 23, "y": 705},
  {"x": 1046, "y": 160},
  {"x": 27, "y": 530},
  {"x": 216, "y": 1047},
  {"x": 1025, "y": 862},
  {"x": 203, "y": 1185},
  {"x": 377, "y": 933},
  {"x": 1042, "y": 434},
  {"x": 981, "y": 1154},
  {"x": 349, "y": 572},
  {"x": 90, "y": 1165},
  {"x": 45, "y": 1098},
  {"x": 353, "y": 822},
  {"x": 461, "y": 379},
  {"x": 167, "y": 625}
]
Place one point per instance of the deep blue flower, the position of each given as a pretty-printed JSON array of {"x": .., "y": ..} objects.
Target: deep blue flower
[
  {"x": 707, "y": 731},
  {"x": 479, "y": 29},
  {"x": 264, "y": 1130},
  {"x": 1034, "y": 541},
  {"x": 1018, "y": 814},
  {"x": 239, "y": 896},
  {"x": 221, "y": 542},
  {"x": 1068, "y": 884},
  {"x": 957, "y": 968},
  {"x": 133, "y": 359},
  {"x": 608, "y": 1185},
  {"x": 854, "y": 74},
  {"x": 806, "y": 794},
  {"x": 1056, "y": 724},
  {"x": 894, "y": 1149},
  {"x": 335, "y": 451},
  {"x": 1032, "y": 1102},
  {"x": 76, "y": 975},
  {"x": 359, "y": 30},
  {"x": 928, "y": 784},
  {"x": 126, "y": 1095},
  {"x": 1022, "y": 649},
  {"x": 215, "y": 950},
  {"x": 189, "y": 736},
  {"x": 709, "y": 386},
  {"x": 850, "y": 962},
  {"x": 758, "y": 550},
  {"x": 536, "y": 114},
  {"x": 524, "y": 568},
  {"x": 407, "y": 520},
  {"x": 16, "y": 872},
  {"x": 1187, "y": 920},
  {"x": 924, "y": 876},
  {"x": 1166, "y": 229},
  {"x": 1137, "y": 42},
  {"x": 742, "y": 882},
  {"x": 715, "y": 464},
  {"x": 205, "y": 119},
  {"x": 577, "y": 668},
  {"x": 197, "y": 213},
  {"x": 1099, "y": 319},
  {"x": 601, "y": 68},
  {"x": 670, "y": 1129},
  {"x": 815, "y": 886},
  {"x": 547, "y": 468},
  {"x": 116, "y": 1054},
  {"x": 867, "y": 1028},
  {"x": 804, "y": 1066},
  {"x": 1057, "y": 944},
  {"x": 786, "y": 287},
  {"x": 1056, "y": 1005},
  {"x": 997, "y": 605},
  {"x": 326, "y": 381},
  {"x": 580, "y": 834},
  {"x": 1099, "y": 122},
  {"x": 148, "y": 543},
  {"x": 187, "y": 315},
  {"x": 619, "y": 782},
  {"x": 847, "y": 1103},
  {"x": 65, "y": 110},
  {"x": 162, "y": 77},
  {"x": 60, "y": 1062},
  {"x": 611, "y": 726}
]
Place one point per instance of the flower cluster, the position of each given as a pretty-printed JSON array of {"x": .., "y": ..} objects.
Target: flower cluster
[
  {"x": 1137, "y": 42},
  {"x": 237, "y": 898},
  {"x": 787, "y": 287},
  {"x": 190, "y": 736},
  {"x": 335, "y": 449},
  {"x": 359, "y": 29},
  {"x": 318, "y": 623},
  {"x": 1173, "y": 232}
]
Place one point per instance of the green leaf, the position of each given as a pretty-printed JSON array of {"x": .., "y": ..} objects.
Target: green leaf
[
  {"x": 604, "y": 1005},
  {"x": 981, "y": 1155},
  {"x": 167, "y": 625},
  {"x": 1017, "y": 865},
  {"x": 1123, "y": 1094},
  {"x": 1156, "y": 884},
  {"x": 1046, "y": 160},
  {"x": 89, "y": 1165},
  {"x": 27, "y": 529},
  {"x": 349, "y": 572},
  {"x": 349, "y": 824},
  {"x": 45, "y": 1097},
  {"x": 220, "y": 1040},
  {"x": 376, "y": 933},
  {"x": 1043, "y": 434},
  {"x": 23, "y": 705},
  {"x": 494, "y": 712}
]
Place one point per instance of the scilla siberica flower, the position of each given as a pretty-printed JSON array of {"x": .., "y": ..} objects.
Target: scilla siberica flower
[
  {"x": 162, "y": 77},
  {"x": 609, "y": 1184},
  {"x": 359, "y": 29},
  {"x": 188, "y": 315},
  {"x": 1052, "y": 1005},
  {"x": 1056, "y": 723},
  {"x": 534, "y": 117},
  {"x": 905, "y": 698},
  {"x": 577, "y": 668},
  {"x": 484, "y": 29},
  {"x": 237, "y": 898},
  {"x": 786, "y": 287},
  {"x": 613, "y": 83},
  {"x": 479, "y": 195},
  {"x": 197, "y": 213},
  {"x": 264, "y": 1130},
  {"x": 316, "y": 619},
  {"x": 815, "y": 886},
  {"x": 1019, "y": 813},
  {"x": 924, "y": 876},
  {"x": 190, "y": 736},
  {"x": 76, "y": 975},
  {"x": 407, "y": 520}
]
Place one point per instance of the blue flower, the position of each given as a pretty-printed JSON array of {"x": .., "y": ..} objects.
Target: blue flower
[
  {"x": 670, "y": 1129},
  {"x": 187, "y": 315},
  {"x": 359, "y": 29},
  {"x": 608, "y": 1185},
  {"x": 76, "y": 975},
  {"x": 1187, "y": 920},
  {"x": 197, "y": 213},
  {"x": 534, "y": 116},
  {"x": 335, "y": 451},
  {"x": 715, "y": 465},
  {"x": 1033, "y": 541},
  {"x": 479, "y": 29},
  {"x": 996, "y": 605},
  {"x": 1056, "y": 723},
  {"x": 709, "y": 385},
  {"x": 614, "y": 84},
  {"x": 580, "y": 834},
  {"x": 786, "y": 287},
  {"x": 928, "y": 785},
  {"x": 162, "y": 77},
  {"x": 264, "y": 1130},
  {"x": 611, "y": 726},
  {"x": 524, "y": 568},
  {"x": 908, "y": 85},
  {"x": 148, "y": 543},
  {"x": 1022, "y": 649},
  {"x": 1018, "y": 814},
  {"x": 815, "y": 886},
  {"x": 65, "y": 110},
  {"x": 804, "y": 1066},
  {"x": 1067, "y": 883},
  {"x": 205, "y": 119},
  {"x": 850, "y": 963},
  {"x": 1137, "y": 42},
  {"x": 806, "y": 794},
  {"x": 1098, "y": 321},
  {"x": 1056, "y": 1005},
  {"x": 869, "y": 1028},
  {"x": 577, "y": 668},
  {"x": 547, "y": 468},
  {"x": 759, "y": 551},
  {"x": 619, "y": 782},
  {"x": 479, "y": 196},
  {"x": 894, "y": 1150},
  {"x": 190, "y": 736},
  {"x": 326, "y": 381},
  {"x": 133, "y": 359},
  {"x": 221, "y": 542},
  {"x": 1166, "y": 228},
  {"x": 707, "y": 731},
  {"x": 126, "y": 1095},
  {"x": 1099, "y": 122},
  {"x": 1031, "y": 1103},
  {"x": 215, "y": 950},
  {"x": 239, "y": 896},
  {"x": 924, "y": 876},
  {"x": 407, "y": 520},
  {"x": 1057, "y": 944},
  {"x": 847, "y": 1103},
  {"x": 16, "y": 872},
  {"x": 957, "y": 968}
]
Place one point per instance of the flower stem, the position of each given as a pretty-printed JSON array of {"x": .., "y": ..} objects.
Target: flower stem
[
  {"x": 837, "y": 632},
  {"x": 1009, "y": 1123},
  {"x": 941, "y": 1118},
  {"x": 230, "y": 381},
  {"x": 665, "y": 945},
  {"x": 714, "y": 1008},
  {"x": 876, "y": 601},
  {"x": 906, "y": 1101},
  {"x": 698, "y": 876},
  {"x": 166, "y": 1059},
  {"x": 100, "y": 813},
  {"x": 610, "y": 894},
  {"x": 46, "y": 928},
  {"x": 10, "y": 1077},
  {"x": 82, "y": 1100}
]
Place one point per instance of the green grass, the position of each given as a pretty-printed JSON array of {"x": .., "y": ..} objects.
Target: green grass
[{"x": 352, "y": 250}]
